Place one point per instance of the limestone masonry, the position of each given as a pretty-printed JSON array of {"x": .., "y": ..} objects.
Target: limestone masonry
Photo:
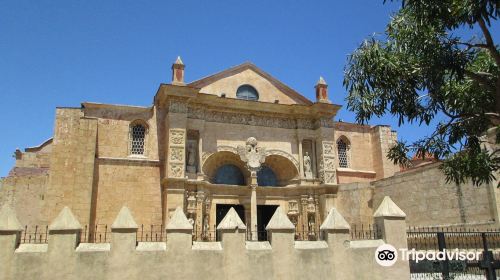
[{"x": 237, "y": 152}]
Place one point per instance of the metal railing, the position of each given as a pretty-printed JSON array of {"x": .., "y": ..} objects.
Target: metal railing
[
  {"x": 97, "y": 234},
  {"x": 365, "y": 232},
  {"x": 485, "y": 242},
  {"x": 151, "y": 233},
  {"x": 34, "y": 234}
]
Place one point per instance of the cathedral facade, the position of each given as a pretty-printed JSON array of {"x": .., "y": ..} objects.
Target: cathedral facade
[{"x": 239, "y": 138}]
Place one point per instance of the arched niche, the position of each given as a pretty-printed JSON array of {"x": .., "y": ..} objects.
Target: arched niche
[
  {"x": 284, "y": 169},
  {"x": 223, "y": 158}
]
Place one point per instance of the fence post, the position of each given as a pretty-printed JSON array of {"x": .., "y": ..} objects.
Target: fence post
[
  {"x": 64, "y": 236},
  {"x": 391, "y": 220},
  {"x": 281, "y": 234},
  {"x": 179, "y": 231},
  {"x": 336, "y": 232},
  {"x": 123, "y": 232},
  {"x": 232, "y": 231},
  {"x": 10, "y": 233},
  {"x": 64, "y": 233}
]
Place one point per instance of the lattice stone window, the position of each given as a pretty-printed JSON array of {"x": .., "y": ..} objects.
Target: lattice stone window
[
  {"x": 343, "y": 152},
  {"x": 137, "y": 137}
]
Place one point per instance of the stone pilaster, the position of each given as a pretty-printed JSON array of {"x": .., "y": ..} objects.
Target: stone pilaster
[
  {"x": 325, "y": 149},
  {"x": 176, "y": 122}
]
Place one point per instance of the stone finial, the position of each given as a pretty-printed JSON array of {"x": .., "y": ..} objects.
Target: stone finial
[
  {"x": 389, "y": 209},
  {"x": 179, "y": 221},
  {"x": 65, "y": 221},
  {"x": 321, "y": 81},
  {"x": 279, "y": 221},
  {"x": 8, "y": 220},
  {"x": 322, "y": 91},
  {"x": 178, "y": 72},
  {"x": 124, "y": 220},
  {"x": 231, "y": 221},
  {"x": 335, "y": 221}
]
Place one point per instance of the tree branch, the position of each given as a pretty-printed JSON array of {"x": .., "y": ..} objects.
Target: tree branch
[
  {"x": 481, "y": 79},
  {"x": 489, "y": 41}
]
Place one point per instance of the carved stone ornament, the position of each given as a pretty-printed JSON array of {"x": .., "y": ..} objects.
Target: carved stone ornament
[
  {"x": 177, "y": 137},
  {"x": 252, "y": 155},
  {"x": 176, "y": 170},
  {"x": 176, "y": 154},
  {"x": 328, "y": 148}
]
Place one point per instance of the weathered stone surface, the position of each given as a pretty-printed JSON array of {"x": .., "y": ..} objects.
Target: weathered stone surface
[
  {"x": 124, "y": 220},
  {"x": 389, "y": 209},
  {"x": 8, "y": 220},
  {"x": 334, "y": 221},
  {"x": 65, "y": 221},
  {"x": 280, "y": 221},
  {"x": 231, "y": 221},
  {"x": 179, "y": 221}
]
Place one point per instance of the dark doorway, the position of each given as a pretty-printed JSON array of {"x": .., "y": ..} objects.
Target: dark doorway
[
  {"x": 264, "y": 214},
  {"x": 222, "y": 209}
]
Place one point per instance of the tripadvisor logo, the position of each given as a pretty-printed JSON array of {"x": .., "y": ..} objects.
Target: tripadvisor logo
[{"x": 387, "y": 255}]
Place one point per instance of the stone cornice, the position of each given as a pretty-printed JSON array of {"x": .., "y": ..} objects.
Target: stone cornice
[{"x": 193, "y": 97}]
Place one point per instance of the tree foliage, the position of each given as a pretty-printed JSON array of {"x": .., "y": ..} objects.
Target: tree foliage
[{"x": 424, "y": 66}]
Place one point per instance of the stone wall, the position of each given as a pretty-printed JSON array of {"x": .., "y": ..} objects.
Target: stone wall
[
  {"x": 26, "y": 194},
  {"x": 355, "y": 202},
  {"x": 428, "y": 200},
  {"x": 336, "y": 257}
]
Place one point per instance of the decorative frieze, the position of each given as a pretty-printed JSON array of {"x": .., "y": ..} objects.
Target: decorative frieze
[
  {"x": 177, "y": 106},
  {"x": 271, "y": 120}
]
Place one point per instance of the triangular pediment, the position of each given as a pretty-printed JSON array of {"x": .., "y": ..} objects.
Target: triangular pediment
[{"x": 269, "y": 88}]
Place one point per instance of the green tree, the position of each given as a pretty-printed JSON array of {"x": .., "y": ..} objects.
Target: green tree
[{"x": 425, "y": 66}]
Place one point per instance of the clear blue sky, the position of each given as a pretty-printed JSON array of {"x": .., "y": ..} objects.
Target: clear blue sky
[{"x": 62, "y": 53}]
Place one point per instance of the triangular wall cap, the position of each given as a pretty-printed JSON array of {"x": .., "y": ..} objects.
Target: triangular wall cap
[
  {"x": 231, "y": 221},
  {"x": 124, "y": 220},
  {"x": 65, "y": 221},
  {"x": 179, "y": 221},
  {"x": 178, "y": 61},
  {"x": 389, "y": 209},
  {"x": 321, "y": 81},
  {"x": 279, "y": 221},
  {"x": 335, "y": 221},
  {"x": 8, "y": 220}
]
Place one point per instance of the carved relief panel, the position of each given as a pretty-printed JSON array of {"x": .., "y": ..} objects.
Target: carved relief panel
[
  {"x": 327, "y": 172},
  {"x": 176, "y": 153}
]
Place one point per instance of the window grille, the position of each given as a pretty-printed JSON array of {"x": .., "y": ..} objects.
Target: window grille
[
  {"x": 137, "y": 142},
  {"x": 343, "y": 150}
]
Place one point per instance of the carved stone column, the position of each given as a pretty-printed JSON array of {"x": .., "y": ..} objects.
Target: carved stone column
[
  {"x": 253, "y": 206},
  {"x": 200, "y": 199},
  {"x": 301, "y": 159}
]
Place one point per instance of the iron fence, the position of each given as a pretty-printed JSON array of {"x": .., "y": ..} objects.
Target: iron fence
[
  {"x": 365, "y": 232},
  {"x": 95, "y": 234},
  {"x": 34, "y": 235},
  {"x": 486, "y": 243},
  {"x": 151, "y": 233}
]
